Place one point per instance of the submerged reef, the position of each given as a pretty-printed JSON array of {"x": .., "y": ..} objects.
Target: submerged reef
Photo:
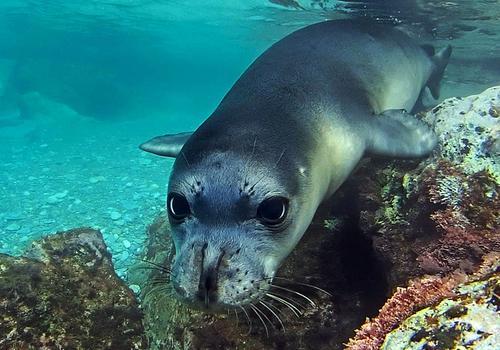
[
  {"x": 399, "y": 236},
  {"x": 463, "y": 314},
  {"x": 469, "y": 320},
  {"x": 407, "y": 252},
  {"x": 433, "y": 223},
  {"x": 64, "y": 294},
  {"x": 440, "y": 214}
]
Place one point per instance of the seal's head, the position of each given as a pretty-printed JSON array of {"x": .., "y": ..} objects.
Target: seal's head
[{"x": 232, "y": 225}]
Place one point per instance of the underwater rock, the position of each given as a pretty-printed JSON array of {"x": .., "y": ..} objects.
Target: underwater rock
[
  {"x": 96, "y": 179},
  {"x": 437, "y": 217},
  {"x": 114, "y": 215},
  {"x": 453, "y": 312},
  {"x": 440, "y": 214},
  {"x": 469, "y": 133},
  {"x": 64, "y": 294},
  {"x": 13, "y": 227},
  {"x": 87, "y": 89},
  {"x": 471, "y": 320}
]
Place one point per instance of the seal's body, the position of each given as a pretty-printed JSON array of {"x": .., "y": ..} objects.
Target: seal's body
[{"x": 247, "y": 182}]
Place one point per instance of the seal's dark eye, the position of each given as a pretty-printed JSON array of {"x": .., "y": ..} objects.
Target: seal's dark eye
[
  {"x": 177, "y": 206},
  {"x": 273, "y": 211}
]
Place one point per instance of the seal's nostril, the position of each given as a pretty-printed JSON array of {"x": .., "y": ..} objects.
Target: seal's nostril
[
  {"x": 210, "y": 283},
  {"x": 207, "y": 288}
]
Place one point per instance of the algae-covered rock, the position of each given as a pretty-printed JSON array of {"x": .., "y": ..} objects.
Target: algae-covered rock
[
  {"x": 468, "y": 321},
  {"x": 439, "y": 214},
  {"x": 469, "y": 131},
  {"x": 436, "y": 217},
  {"x": 457, "y": 311},
  {"x": 65, "y": 295}
]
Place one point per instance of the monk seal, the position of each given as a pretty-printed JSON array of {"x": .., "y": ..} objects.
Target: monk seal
[{"x": 246, "y": 184}]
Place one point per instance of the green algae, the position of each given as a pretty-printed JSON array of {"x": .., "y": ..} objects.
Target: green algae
[
  {"x": 393, "y": 195},
  {"x": 333, "y": 224}
]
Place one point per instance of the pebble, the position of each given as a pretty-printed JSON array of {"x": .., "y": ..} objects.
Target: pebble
[
  {"x": 16, "y": 215},
  {"x": 114, "y": 215},
  {"x": 13, "y": 227},
  {"x": 52, "y": 200},
  {"x": 24, "y": 232},
  {"x": 96, "y": 179},
  {"x": 129, "y": 205},
  {"x": 121, "y": 272},
  {"x": 126, "y": 244},
  {"x": 61, "y": 195},
  {"x": 124, "y": 256},
  {"x": 135, "y": 288}
]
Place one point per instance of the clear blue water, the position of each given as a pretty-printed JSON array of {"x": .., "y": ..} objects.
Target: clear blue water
[{"x": 82, "y": 83}]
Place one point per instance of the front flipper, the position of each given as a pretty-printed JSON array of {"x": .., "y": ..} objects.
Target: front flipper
[
  {"x": 397, "y": 133},
  {"x": 167, "y": 145}
]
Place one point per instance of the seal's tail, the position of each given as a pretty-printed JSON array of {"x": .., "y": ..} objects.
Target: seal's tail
[{"x": 440, "y": 61}]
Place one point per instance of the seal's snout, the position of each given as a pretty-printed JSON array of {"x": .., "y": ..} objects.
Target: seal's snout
[
  {"x": 214, "y": 276},
  {"x": 207, "y": 286}
]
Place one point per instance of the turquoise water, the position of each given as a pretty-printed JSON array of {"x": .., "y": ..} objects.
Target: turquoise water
[{"x": 82, "y": 83}]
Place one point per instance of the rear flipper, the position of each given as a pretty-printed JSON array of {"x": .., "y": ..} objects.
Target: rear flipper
[
  {"x": 424, "y": 102},
  {"x": 167, "y": 145},
  {"x": 440, "y": 61},
  {"x": 397, "y": 133}
]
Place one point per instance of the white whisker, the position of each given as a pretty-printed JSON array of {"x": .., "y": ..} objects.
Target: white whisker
[
  {"x": 274, "y": 313},
  {"x": 292, "y": 307},
  {"x": 295, "y": 292},
  {"x": 249, "y": 320},
  {"x": 305, "y": 284},
  {"x": 261, "y": 319}
]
